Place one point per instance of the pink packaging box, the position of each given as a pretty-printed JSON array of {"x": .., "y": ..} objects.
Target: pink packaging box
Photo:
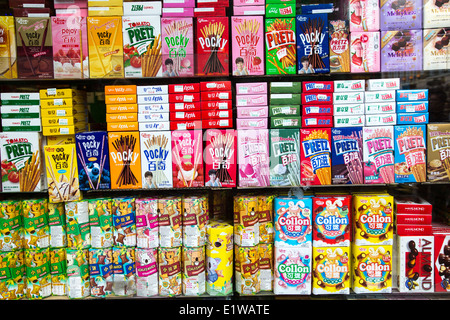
[
  {"x": 177, "y": 47},
  {"x": 251, "y": 88},
  {"x": 256, "y": 123},
  {"x": 81, "y": 12},
  {"x": 247, "y": 36},
  {"x": 249, "y": 10},
  {"x": 252, "y": 112},
  {"x": 178, "y": 3},
  {"x": 364, "y": 15},
  {"x": 64, "y": 4},
  {"x": 253, "y": 156},
  {"x": 177, "y": 12},
  {"x": 238, "y": 3},
  {"x": 365, "y": 52},
  {"x": 251, "y": 100}
]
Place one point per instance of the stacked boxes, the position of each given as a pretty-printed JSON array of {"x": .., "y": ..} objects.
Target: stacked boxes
[
  {"x": 252, "y": 107},
  {"x": 184, "y": 100},
  {"x": 373, "y": 225},
  {"x": 380, "y": 98},
  {"x": 317, "y": 114},
  {"x": 216, "y": 104},
  {"x": 412, "y": 107},
  {"x": 348, "y": 100},
  {"x": 153, "y": 107},
  {"x": 415, "y": 244},
  {"x": 63, "y": 111},
  {"x": 284, "y": 105},
  {"x": 20, "y": 111},
  {"x": 121, "y": 108}
]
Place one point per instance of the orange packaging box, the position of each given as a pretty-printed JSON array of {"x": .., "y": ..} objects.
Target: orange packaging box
[
  {"x": 126, "y": 89},
  {"x": 119, "y": 108},
  {"x": 120, "y": 98},
  {"x": 121, "y": 117},
  {"x": 122, "y": 126},
  {"x": 125, "y": 160}
]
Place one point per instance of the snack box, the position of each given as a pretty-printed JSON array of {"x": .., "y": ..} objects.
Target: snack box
[
  {"x": 285, "y": 98},
  {"x": 381, "y": 119},
  {"x": 357, "y": 120},
  {"x": 213, "y": 3},
  {"x": 348, "y": 109},
  {"x": 156, "y": 162},
  {"x": 277, "y": 10},
  {"x": 339, "y": 46},
  {"x": 412, "y": 107},
  {"x": 58, "y": 140},
  {"x": 348, "y": 97},
  {"x": 285, "y": 87},
  {"x": 93, "y": 160},
  {"x": 183, "y": 106},
  {"x": 12, "y": 124},
  {"x": 410, "y": 153},
  {"x": 209, "y": 12},
  {"x": 159, "y": 116},
  {"x": 421, "y": 219},
  {"x": 254, "y": 123},
  {"x": 315, "y": 156},
  {"x": 178, "y": 3},
  {"x": 23, "y": 112},
  {"x": 249, "y": 10},
  {"x": 317, "y": 98},
  {"x": 152, "y": 98},
  {"x": 184, "y": 97},
  {"x": 155, "y": 89},
  {"x": 381, "y": 96},
  {"x": 379, "y": 108},
  {"x": 285, "y": 122},
  {"x": 63, "y": 102},
  {"x": 435, "y": 52},
  {"x": 215, "y": 85},
  {"x": 364, "y": 15},
  {"x": 216, "y": 105},
  {"x": 412, "y": 118},
  {"x": 251, "y": 88},
  {"x": 217, "y": 123},
  {"x": 121, "y": 117},
  {"x": 51, "y": 131},
  {"x": 441, "y": 235},
  {"x": 281, "y": 44},
  {"x": 153, "y": 108},
  {"x": 401, "y": 50},
  {"x": 186, "y": 125},
  {"x": 284, "y": 146},
  {"x": 284, "y": 110},
  {"x": 105, "y": 12},
  {"x": 122, "y": 126},
  {"x": 9, "y": 49},
  {"x": 408, "y": 204},
  {"x": 438, "y": 151},
  {"x": 54, "y": 93},
  {"x": 21, "y": 162},
  {"x": 184, "y": 88},
  {"x": 413, "y": 230},
  {"x": 347, "y": 156},
  {"x": 215, "y": 95},
  {"x": 152, "y": 126},
  {"x": 121, "y": 99},
  {"x": 395, "y": 15},
  {"x": 349, "y": 85},
  {"x": 365, "y": 52},
  {"x": 79, "y": 119},
  {"x": 119, "y": 108},
  {"x": 251, "y": 100},
  {"x": 383, "y": 84},
  {"x": 252, "y": 112},
  {"x": 317, "y": 121},
  {"x": 412, "y": 95},
  {"x": 120, "y": 90},
  {"x": 293, "y": 278},
  {"x": 317, "y": 86},
  {"x": 142, "y": 8},
  {"x": 435, "y": 14},
  {"x": 184, "y": 115},
  {"x": 217, "y": 114}
]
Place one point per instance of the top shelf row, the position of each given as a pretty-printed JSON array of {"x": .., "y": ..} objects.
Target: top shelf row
[{"x": 112, "y": 39}]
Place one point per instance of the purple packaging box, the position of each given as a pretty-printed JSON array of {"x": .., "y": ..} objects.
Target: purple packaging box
[
  {"x": 400, "y": 14},
  {"x": 401, "y": 50}
]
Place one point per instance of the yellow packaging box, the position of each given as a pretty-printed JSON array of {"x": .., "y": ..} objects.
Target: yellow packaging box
[
  {"x": 8, "y": 54},
  {"x": 105, "y": 3},
  {"x": 58, "y": 130},
  {"x": 331, "y": 270},
  {"x": 372, "y": 269},
  {"x": 63, "y": 112},
  {"x": 105, "y": 11},
  {"x": 54, "y": 93},
  {"x": 62, "y": 102},
  {"x": 58, "y": 140},
  {"x": 373, "y": 219}
]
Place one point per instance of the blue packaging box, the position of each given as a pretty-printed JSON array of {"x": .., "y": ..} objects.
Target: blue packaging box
[
  {"x": 412, "y": 95},
  {"x": 412, "y": 107},
  {"x": 412, "y": 118}
]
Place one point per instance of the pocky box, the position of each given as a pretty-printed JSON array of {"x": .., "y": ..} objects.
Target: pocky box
[
  {"x": 280, "y": 42},
  {"x": 34, "y": 48},
  {"x": 187, "y": 153},
  {"x": 410, "y": 153},
  {"x": 22, "y": 165},
  {"x": 293, "y": 222},
  {"x": 364, "y": 15},
  {"x": 177, "y": 47},
  {"x": 347, "y": 156},
  {"x": 312, "y": 43},
  {"x": 378, "y": 154},
  {"x": 373, "y": 219},
  {"x": 331, "y": 270},
  {"x": 365, "y": 52},
  {"x": 125, "y": 160},
  {"x": 156, "y": 162},
  {"x": 142, "y": 46},
  {"x": 284, "y": 145},
  {"x": 8, "y": 49},
  {"x": 315, "y": 156},
  {"x": 435, "y": 14},
  {"x": 93, "y": 160},
  {"x": 220, "y": 158},
  {"x": 339, "y": 46},
  {"x": 70, "y": 50},
  {"x": 401, "y": 50},
  {"x": 213, "y": 46},
  {"x": 331, "y": 221},
  {"x": 438, "y": 152},
  {"x": 62, "y": 173},
  {"x": 253, "y": 157},
  {"x": 105, "y": 47},
  {"x": 123, "y": 212},
  {"x": 372, "y": 269},
  {"x": 247, "y": 36},
  {"x": 400, "y": 15},
  {"x": 435, "y": 49}
]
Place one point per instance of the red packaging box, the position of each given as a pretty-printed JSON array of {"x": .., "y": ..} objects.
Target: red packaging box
[
  {"x": 317, "y": 110},
  {"x": 29, "y": 3},
  {"x": 317, "y": 86},
  {"x": 220, "y": 158},
  {"x": 442, "y": 257},
  {"x": 184, "y": 97},
  {"x": 412, "y": 205},
  {"x": 215, "y": 95},
  {"x": 315, "y": 156},
  {"x": 184, "y": 88},
  {"x": 413, "y": 230},
  {"x": 216, "y": 105},
  {"x": 317, "y": 98},
  {"x": 185, "y": 125},
  {"x": 332, "y": 221},
  {"x": 185, "y": 115},
  {"x": 184, "y": 106},
  {"x": 421, "y": 219},
  {"x": 217, "y": 123},
  {"x": 215, "y": 86},
  {"x": 217, "y": 114},
  {"x": 210, "y": 12},
  {"x": 317, "y": 122}
]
